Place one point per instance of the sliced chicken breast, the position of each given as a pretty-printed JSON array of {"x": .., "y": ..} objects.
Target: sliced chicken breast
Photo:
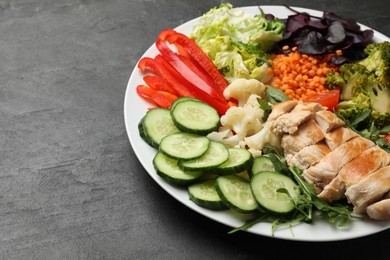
[
  {"x": 289, "y": 123},
  {"x": 339, "y": 136},
  {"x": 313, "y": 107},
  {"x": 281, "y": 109},
  {"x": 309, "y": 155},
  {"x": 308, "y": 134},
  {"x": 325, "y": 170},
  {"x": 367, "y": 162},
  {"x": 369, "y": 190},
  {"x": 379, "y": 210},
  {"x": 328, "y": 121}
]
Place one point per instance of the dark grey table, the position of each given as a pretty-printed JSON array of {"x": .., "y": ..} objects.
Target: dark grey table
[{"x": 71, "y": 186}]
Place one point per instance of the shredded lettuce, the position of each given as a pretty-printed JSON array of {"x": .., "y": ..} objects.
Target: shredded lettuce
[{"x": 237, "y": 42}]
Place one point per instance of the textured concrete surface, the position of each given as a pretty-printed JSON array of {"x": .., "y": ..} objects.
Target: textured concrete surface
[{"x": 70, "y": 184}]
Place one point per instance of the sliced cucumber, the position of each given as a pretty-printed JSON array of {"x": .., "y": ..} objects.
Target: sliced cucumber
[
  {"x": 180, "y": 99},
  {"x": 261, "y": 164},
  {"x": 142, "y": 133},
  {"x": 239, "y": 160},
  {"x": 195, "y": 116},
  {"x": 216, "y": 155},
  {"x": 236, "y": 193},
  {"x": 184, "y": 146},
  {"x": 155, "y": 125},
  {"x": 267, "y": 188},
  {"x": 204, "y": 194},
  {"x": 168, "y": 169}
]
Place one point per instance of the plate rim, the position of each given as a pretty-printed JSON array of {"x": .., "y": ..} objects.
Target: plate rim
[{"x": 233, "y": 218}]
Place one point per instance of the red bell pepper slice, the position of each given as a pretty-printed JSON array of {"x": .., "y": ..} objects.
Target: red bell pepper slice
[
  {"x": 149, "y": 64},
  {"x": 191, "y": 63},
  {"x": 197, "y": 54},
  {"x": 160, "y": 98},
  {"x": 165, "y": 34},
  {"x": 221, "y": 107},
  {"x": 158, "y": 83},
  {"x": 188, "y": 72}
]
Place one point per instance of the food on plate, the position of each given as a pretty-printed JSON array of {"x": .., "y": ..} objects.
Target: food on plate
[
  {"x": 319, "y": 35},
  {"x": 365, "y": 86},
  {"x": 237, "y": 42},
  {"x": 351, "y": 166},
  {"x": 301, "y": 76},
  {"x": 367, "y": 162},
  {"x": 370, "y": 189},
  {"x": 274, "y": 123}
]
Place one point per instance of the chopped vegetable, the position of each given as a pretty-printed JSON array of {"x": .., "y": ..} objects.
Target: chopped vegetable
[
  {"x": 320, "y": 35},
  {"x": 160, "y": 98},
  {"x": 365, "y": 85},
  {"x": 149, "y": 64},
  {"x": 242, "y": 89},
  {"x": 190, "y": 47},
  {"x": 180, "y": 74},
  {"x": 189, "y": 72},
  {"x": 238, "y": 42},
  {"x": 328, "y": 99},
  {"x": 378, "y": 61},
  {"x": 300, "y": 75},
  {"x": 158, "y": 83}
]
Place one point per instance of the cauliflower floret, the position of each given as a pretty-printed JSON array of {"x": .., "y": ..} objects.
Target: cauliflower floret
[
  {"x": 241, "y": 89},
  {"x": 244, "y": 121},
  {"x": 243, "y": 126},
  {"x": 256, "y": 142},
  {"x": 226, "y": 137}
]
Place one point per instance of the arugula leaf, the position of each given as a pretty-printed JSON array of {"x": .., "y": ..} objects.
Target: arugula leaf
[
  {"x": 372, "y": 132},
  {"x": 307, "y": 206}
]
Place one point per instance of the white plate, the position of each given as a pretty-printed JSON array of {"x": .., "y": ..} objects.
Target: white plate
[{"x": 135, "y": 108}]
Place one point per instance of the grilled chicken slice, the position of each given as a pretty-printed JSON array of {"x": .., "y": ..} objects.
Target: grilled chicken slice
[
  {"x": 309, "y": 155},
  {"x": 325, "y": 170},
  {"x": 312, "y": 107},
  {"x": 367, "y": 162},
  {"x": 369, "y": 190},
  {"x": 308, "y": 134},
  {"x": 328, "y": 120},
  {"x": 289, "y": 123},
  {"x": 379, "y": 210},
  {"x": 339, "y": 136},
  {"x": 281, "y": 109}
]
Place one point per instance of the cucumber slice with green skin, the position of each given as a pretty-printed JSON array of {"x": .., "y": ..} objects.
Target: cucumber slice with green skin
[
  {"x": 236, "y": 193},
  {"x": 204, "y": 194},
  {"x": 184, "y": 146},
  {"x": 195, "y": 116},
  {"x": 261, "y": 164},
  {"x": 156, "y": 124},
  {"x": 239, "y": 161},
  {"x": 142, "y": 133},
  {"x": 168, "y": 169},
  {"x": 216, "y": 155},
  {"x": 180, "y": 99},
  {"x": 265, "y": 186}
]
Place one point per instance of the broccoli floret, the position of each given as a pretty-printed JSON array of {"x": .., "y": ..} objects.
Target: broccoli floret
[
  {"x": 378, "y": 61},
  {"x": 380, "y": 119},
  {"x": 380, "y": 104},
  {"x": 349, "y": 110},
  {"x": 334, "y": 80},
  {"x": 351, "y": 78}
]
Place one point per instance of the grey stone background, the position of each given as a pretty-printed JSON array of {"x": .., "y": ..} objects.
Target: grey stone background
[{"x": 70, "y": 184}]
